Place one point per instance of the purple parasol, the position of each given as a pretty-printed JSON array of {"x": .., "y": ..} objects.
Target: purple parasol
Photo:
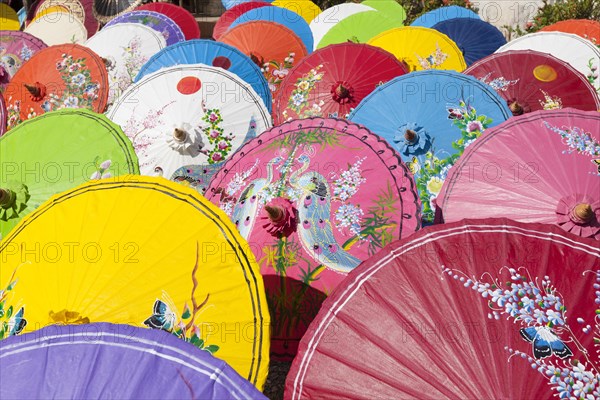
[{"x": 114, "y": 361}]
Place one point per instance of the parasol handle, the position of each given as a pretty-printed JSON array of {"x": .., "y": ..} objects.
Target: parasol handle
[
  {"x": 275, "y": 213},
  {"x": 516, "y": 108},
  {"x": 410, "y": 136},
  {"x": 7, "y": 197},
  {"x": 582, "y": 213},
  {"x": 179, "y": 135},
  {"x": 37, "y": 91}
]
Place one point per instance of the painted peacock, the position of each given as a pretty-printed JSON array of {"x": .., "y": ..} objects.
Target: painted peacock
[
  {"x": 314, "y": 226},
  {"x": 247, "y": 206}
]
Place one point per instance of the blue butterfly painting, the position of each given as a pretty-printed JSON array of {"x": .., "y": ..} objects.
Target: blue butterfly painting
[
  {"x": 162, "y": 318},
  {"x": 17, "y": 323},
  {"x": 545, "y": 342}
]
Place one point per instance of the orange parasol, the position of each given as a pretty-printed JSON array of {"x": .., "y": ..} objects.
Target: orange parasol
[
  {"x": 64, "y": 76},
  {"x": 273, "y": 47},
  {"x": 586, "y": 28}
]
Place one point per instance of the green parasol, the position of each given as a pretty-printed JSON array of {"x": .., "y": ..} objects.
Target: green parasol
[
  {"x": 391, "y": 8},
  {"x": 359, "y": 28},
  {"x": 55, "y": 152}
]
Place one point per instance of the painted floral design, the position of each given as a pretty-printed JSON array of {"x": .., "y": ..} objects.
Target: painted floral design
[
  {"x": 550, "y": 103},
  {"x": 434, "y": 60},
  {"x": 579, "y": 141},
  {"x": 592, "y": 77},
  {"x": 432, "y": 172},
  {"x": 299, "y": 99},
  {"x": 216, "y": 135},
  {"x": 12, "y": 320},
  {"x": 499, "y": 84},
  {"x": 540, "y": 311},
  {"x": 79, "y": 91},
  {"x": 122, "y": 75},
  {"x": 275, "y": 71},
  {"x": 101, "y": 169}
]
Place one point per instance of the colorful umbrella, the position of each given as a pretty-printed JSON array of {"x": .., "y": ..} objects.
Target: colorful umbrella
[
  {"x": 16, "y": 48},
  {"x": 146, "y": 252},
  {"x": 480, "y": 309},
  {"x": 55, "y": 27},
  {"x": 421, "y": 48},
  {"x": 91, "y": 23},
  {"x": 314, "y": 197},
  {"x": 582, "y": 54},
  {"x": 358, "y": 28},
  {"x": 586, "y": 28},
  {"x": 188, "y": 115},
  {"x": 305, "y": 8},
  {"x": 56, "y": 152},
  {"x": 509, "y": 173},
  {"x": 73, "y": 7},
  {"x": 430, "y": 117},
  {"x": 475, "y": 38},
  {"x": 2, "y": 115},
  {"x": 212, "y": 53},
  {"x": 281, "y": 16},
  {"x": 157, "y": 21},
  {"x": 391, "y": 8},
  {"x": 229, "y": 4},
  {"x": 333, "y": 80},
  {"x": 225, "y": 20},
  {"x": 273, "y": 47},
  {"x": 108, "y": 361},
  {"x": 125, "y": 47},
  {"x": 65, "y": 76},
  {"x": 429, "y": 19},
  {"x": 182, "y": 17},
  {"x": 529, "y": 81},
  {"x": 331, "y": 16},
  {"x": 9, "y": 20},
  {"x": 105, "y": 10}
]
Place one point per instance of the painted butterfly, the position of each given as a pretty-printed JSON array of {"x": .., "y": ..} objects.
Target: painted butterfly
[
  {"x": 162, "y": 318},
  {"x": 545, "y": 342},
  {"x": 17, "y": 323}
]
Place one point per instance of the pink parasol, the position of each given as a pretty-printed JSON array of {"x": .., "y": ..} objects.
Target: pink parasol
[
  {"x": 540, "y": 167},
  {"x": 314, "y": 198}
]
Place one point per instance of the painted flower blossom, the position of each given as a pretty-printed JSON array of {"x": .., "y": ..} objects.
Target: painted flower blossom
[
  {"x": 475, "y": 126},
  {"x": 349, "y": 216},
  {"x": 71, "y": 102},
  {"x": 78, "y": 79}
]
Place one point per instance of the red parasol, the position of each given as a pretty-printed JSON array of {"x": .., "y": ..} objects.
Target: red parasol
[
  {"x": 586, "y": 28},
  {"x": 332, "y": 81},
  {"x": 529, "y": 80},
  {"x": 182, "y": 17},
  {"x": 227, "y": 18},
  {"x": 479, "y": 309},
  {"x": 63, "y": 76}
]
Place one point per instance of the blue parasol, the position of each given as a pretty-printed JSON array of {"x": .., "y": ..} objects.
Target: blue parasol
[
  {"x": 430, "y": 117},
  {"x": 216, "y": 54},
  {"x": 232, "y": 3},
  {"x": 281, "y": 16},
  {"x": 475, "y": 38},
  {"x": 429, "y": 19}
]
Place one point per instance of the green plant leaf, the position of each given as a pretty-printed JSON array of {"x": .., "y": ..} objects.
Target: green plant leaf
[
  {"x": 212, "y": 349},
  {"x": 186, "y": 312},
  {"x": 9, "y": 312}
]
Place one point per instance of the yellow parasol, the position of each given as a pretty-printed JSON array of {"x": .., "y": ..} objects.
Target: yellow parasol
[
  {"x": 421, "y": 48},
  {"x": 141, "y": 251},
  {"x": 305, "y": 8},
  {"x": 9, "y": 20}
]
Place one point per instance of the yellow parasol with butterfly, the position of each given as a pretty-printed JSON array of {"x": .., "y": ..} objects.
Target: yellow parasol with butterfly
[
  {"x": 141, "y": 251},
  {"x": 421, "y": 48}
]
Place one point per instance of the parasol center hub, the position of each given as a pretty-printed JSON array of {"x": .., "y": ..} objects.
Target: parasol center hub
[
  {"x": 7, "y": 198},
  {"x": 516, "y": 108},
  {"x": 180, "y": 135},
  {"x": 582, "y": 213},
  {"x": 36, "y": 90},
  {"x": 275, "y": 213},
  {"x": 342, "y": 92},
  {"x": 411, "y": 136}
]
